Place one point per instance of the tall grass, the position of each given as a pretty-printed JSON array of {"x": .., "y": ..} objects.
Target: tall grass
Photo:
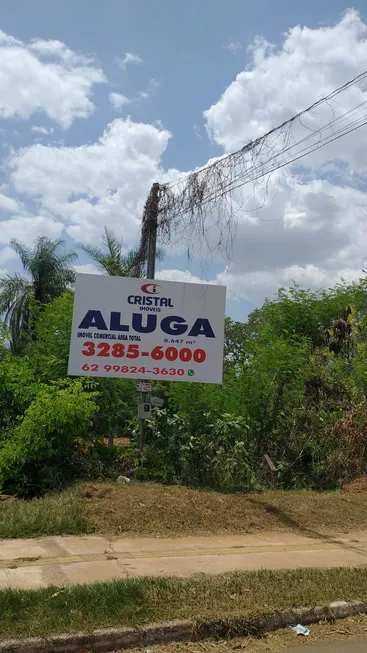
[{"x": 55, "y": 514}]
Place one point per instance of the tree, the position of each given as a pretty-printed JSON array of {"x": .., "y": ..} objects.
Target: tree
[
  {"x": 49, "y": 273},
  {"x": 236, "y": 336},
  {"x": 112, "y": 259}
]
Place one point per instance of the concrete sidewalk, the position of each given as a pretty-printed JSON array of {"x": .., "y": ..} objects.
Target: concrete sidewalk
[{"x": 70, "y": 560}]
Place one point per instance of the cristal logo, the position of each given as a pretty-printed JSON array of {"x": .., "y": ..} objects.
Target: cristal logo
[{"x": 151, "y": 289}]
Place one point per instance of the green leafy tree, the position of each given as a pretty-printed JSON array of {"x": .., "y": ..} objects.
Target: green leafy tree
[
  {"x": 235, "y": 341},
  {"x": 53, "y": 427},
  {"x": 49, "y": 272},
  {"x": 49, "y": 352}
]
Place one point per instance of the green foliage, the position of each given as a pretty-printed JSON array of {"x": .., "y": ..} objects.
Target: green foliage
[
  {"x": 294, "y": 389},
  {"x": 49, "y": 351},
  {"x": 236, "y": 335},
  {"x": 202, "y": 451},
  {"x": 18, "y": 388},
  {"x": 293, "y": 376},
  {"x": 42, "y": 444}
]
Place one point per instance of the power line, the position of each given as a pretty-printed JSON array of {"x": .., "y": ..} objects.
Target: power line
[
  {"x": 356, "y": 80},
  {"x": 190, "y": 194}
]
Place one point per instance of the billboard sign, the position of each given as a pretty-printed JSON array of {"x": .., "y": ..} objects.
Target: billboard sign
[{"x": 147, "y": 330}]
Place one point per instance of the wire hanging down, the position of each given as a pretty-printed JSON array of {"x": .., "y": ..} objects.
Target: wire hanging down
[{"x": 202, "y": 206}]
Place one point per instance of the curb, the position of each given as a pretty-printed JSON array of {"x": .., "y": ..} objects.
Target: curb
[{"x": 102, "y": 641}]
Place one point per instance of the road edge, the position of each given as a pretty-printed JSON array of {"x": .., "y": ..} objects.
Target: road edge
[{"x": 102, "y": 641}]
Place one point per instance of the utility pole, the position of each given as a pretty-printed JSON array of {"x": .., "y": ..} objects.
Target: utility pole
[{"x": 149, "y": 232}]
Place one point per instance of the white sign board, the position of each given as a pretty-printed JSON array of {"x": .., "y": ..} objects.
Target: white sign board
[
  {"x": 139, "y": 329},
  {"x": 157, "y": 402}
]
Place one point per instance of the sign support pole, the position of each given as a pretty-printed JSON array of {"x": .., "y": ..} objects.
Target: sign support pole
[{"x": 152, "y": 225}]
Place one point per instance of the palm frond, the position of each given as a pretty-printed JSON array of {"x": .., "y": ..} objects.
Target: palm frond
[
  {"x": 50, "y": 270},
  {"x": 113, "y": 244},
  {"x": 112, "y": 259},
  {"x": 24, "y": 253}
]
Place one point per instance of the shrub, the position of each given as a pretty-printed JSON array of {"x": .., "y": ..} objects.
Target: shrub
[
  {"x": 39, "y": 454},
  {"x": 215, "y": 452}
]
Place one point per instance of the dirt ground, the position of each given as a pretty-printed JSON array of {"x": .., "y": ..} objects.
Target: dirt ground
[
  {"x": 347, "y": 630},
  {"x": 148, "y": 509},
  {"x": 357, "y": 485}
]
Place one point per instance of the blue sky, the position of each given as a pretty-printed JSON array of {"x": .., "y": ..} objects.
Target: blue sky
[{"x": 181, "y": 60}]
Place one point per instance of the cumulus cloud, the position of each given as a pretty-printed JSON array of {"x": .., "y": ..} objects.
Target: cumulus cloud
[
  {"x": 281, "y": 81},
  {"x": 91, "y": 185},
  {"x": 87, "y": 268},
  {"x": 9, "y": 205},
  {"x": 42, "y": 130},
  {"x": 117, "y": 100},
  {"x": 151, "y": 88},
  {"x": 27, "y": 228},
  {"x": 129, "y": 57},
  {"x": 178, "y": 275},
  {"x": 45, "y": 76},
  {"x": 7, "y": 254},
  {"x": 234, "y": 46},
  {"x": 306, "y": 224}
]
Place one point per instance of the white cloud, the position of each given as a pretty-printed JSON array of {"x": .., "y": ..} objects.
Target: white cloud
[
  {"x": 234, "y": 46},
  {"x": 117, "y": 100},
  {"x": 197, "y": 131},
  {"x": 53, "y": 49},
  {"x": 87, "y": 268},
  {"x": 7, "y": 254},
  {"x": 45, "y": 76},
  {"x": 178, "y": 275},
  {"x": 91, "y": 185},
  {"x": 42, "y": 130},
  {"x": 281, "y": 81},
  {"x": 312, "y": 233},
  {"x": 129, "y": 57},
  {"x": 304, "y": 225},
  {"x": 27, "y": 229},
  {"x": 151, "y": 88},
  {"x": 9, "y": 205},
  {"x": 255, "y": 287}
]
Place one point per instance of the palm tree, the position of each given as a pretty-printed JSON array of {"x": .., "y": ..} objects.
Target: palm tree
[
  {"x": 49, "y": 274},
  {"x": 112, "y": 259}
]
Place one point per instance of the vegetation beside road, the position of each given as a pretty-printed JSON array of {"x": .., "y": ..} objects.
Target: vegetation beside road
[
  {"x": 150, "y": 509},
  {"x": 291, "y": 412},
  {"x": 134, "y": 602}
]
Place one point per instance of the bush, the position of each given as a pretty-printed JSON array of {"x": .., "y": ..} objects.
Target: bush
[
  {"x": 215, "y": 452},
  {"x": 39, "y": 454},
  {"x": 18, "y": 388}
]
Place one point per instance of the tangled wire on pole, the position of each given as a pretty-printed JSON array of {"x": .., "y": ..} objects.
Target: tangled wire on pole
[{"x": 203, "y": 207}]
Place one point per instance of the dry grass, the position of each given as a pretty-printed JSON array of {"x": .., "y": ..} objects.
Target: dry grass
[
  {"x": 348, "y": 630},
  {"x": 140, "y": 509},
  {"x": 138, "y": 601},
  {"x": 152, "y": 509}
]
